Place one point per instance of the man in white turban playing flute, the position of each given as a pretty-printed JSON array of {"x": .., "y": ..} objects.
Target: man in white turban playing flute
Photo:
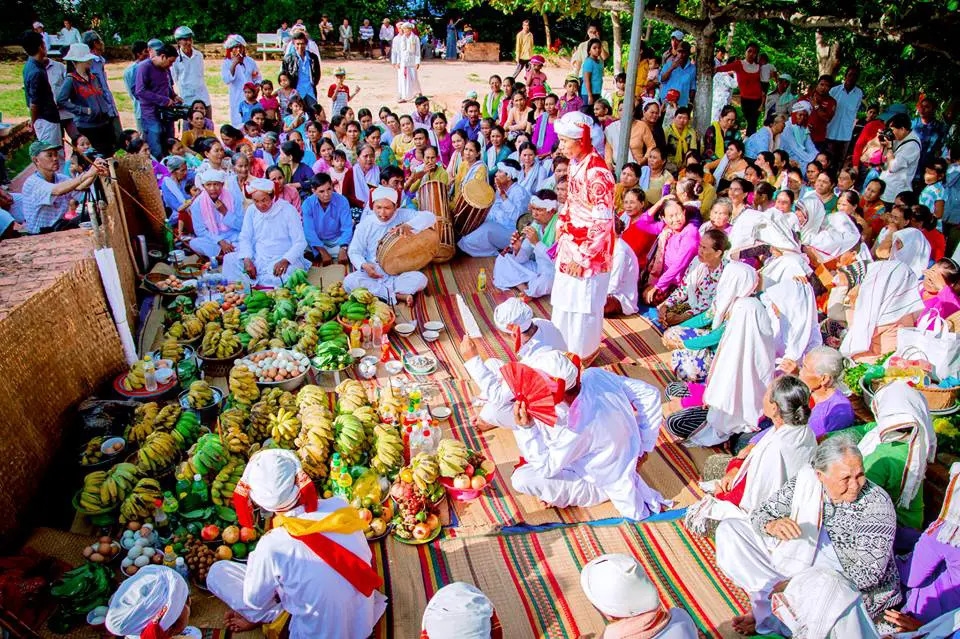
[
  {"x": 313, "y": 565},
  {"x": 585, "y": 241}
]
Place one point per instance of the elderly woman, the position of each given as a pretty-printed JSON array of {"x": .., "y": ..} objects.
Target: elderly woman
[
  {"x": 717, "y": 139},
  {"x": 733, "y": 164},
  {"x": 698, "y": 287},
  {"x": 694, "y": 340},
  {"x": 885, "y": 300},
  {"x": 720, "y": 218},
  {"x": 828, "y": 516},
  {"x": 175, "y": 199},
  {"x": 676, "y": 245},
  {"x": 760, "y": 471}
]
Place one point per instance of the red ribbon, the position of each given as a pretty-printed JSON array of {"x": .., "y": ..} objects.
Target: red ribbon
[{"x": 359, "y": 573}]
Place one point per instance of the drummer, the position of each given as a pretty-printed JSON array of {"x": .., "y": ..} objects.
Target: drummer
[
  {"x": 366, "y": 241},
  {"x": 429, "y": 171},
  {"x": 471, "y": 168},
  {"x": 510, "y": 203}
]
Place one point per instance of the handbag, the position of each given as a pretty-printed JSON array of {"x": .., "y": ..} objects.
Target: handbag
[{"x": 932, "y": 337}]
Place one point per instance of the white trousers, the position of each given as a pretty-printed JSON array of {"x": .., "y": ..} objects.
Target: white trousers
[
  {"x": 404, "y": 284},
  {"x": 233, "y": 269},
  {"x": 205, "y": 246},
  {"x": 225, "y": 580},
  {"x": 487, "y": 241},
  {"x": 408, "y": 82},
  {"x": 580, "y": 321},
  {"x": 509, "y": 272}
]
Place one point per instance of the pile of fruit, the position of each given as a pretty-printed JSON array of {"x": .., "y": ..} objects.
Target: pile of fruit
[
  {"x": 200, "y": 395},
  {"x": 135, "y": 380},
  {"x": 362, "y": 305},
  {"x": 417, "y": 492},
  {"x": 199, "y": 558},
  {"x": 92, "y": 453},
  {"x": 170, "y": 285},
  {"x": 467, "y": 468}
]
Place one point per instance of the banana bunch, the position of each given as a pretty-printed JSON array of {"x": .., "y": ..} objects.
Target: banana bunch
[
  {"x": 211, "y": 339},
  {"x": 192, "y": 325},
  {"x": 186, "y": 470},
  {"x": 425, "y": 471},
  {"x": 452, "y": 457},
  {"x": 318, "y": 420},
  {"x": 330, "y": 331},
  {"x": 90, "y": 493},
  {"x": 140, "y": 503},
  {"x": 200, "y": 394},
  {"x": 288, "y": 331},
  {"x": 167, "y": 417},
  {"x": 187, "y": 429},
  {"x": 337, "y": 292},
  {"x": 91, "y": 452},
  {"x": 116, "y": 484},
  {"x": 362, "y": 295},
  {"x": 315, "y": 440},
  {"x": 243, "y": 385},
  {"x": 209, "y": 455},
  {"x": 351, "y": 395},
  {"x": 283, "y": 309},
  {"x": 311, "y": 395},
  {"x": 228, "y": 345},
  {"x": 144, "y": 418},
  {"x": 221, "y": 490},
  {"x": 176, "y": 331},
  {"x": 234, "y": 418},
  {"x": 232, "y": 430},
  {"x": 389, "y": 404},
  {"x": 258, "y": 327},
  {"x": 157, "y": 453},
  {"x": 310, "y": 315},
  {"x": 260, "y": 413},
  {"x": 276, "y": 342},
  {"x": 284, "y": 426},
  {"x": 171, "y": 350},
  {"x": 231, "y": 319},
  {"x": 258, "y": 344},
  {"x": 354, "y": 311},
  {"x": 369, "y": 418},
  {"x": 135, "y": 379},
  {"x": 380, "y": 309},
  {"x": 208, "y": 312},
  {"x": 308, "y": 341},
  {"x": 237, "y": 441},
  {"x": 388, "y": 446},
  {"x": 351, "y": 438}
]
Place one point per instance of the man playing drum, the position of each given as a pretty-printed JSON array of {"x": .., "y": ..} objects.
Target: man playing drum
[
  {"x": 366, "y": 240},
  {"x": 501, "y": 223}
]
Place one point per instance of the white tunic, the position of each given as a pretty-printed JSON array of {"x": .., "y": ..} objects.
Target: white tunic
[
  {"x": 267, "y": 238},
  {"x": 531, "y": 265},
  {"x": 207, "y": 241},
  {"x": 501, "y": 223},
  {"x": 623, "y": 277},
  {"x": 187, "y": 72},
  {"x": 406, "y": 53},
  {"x": 247, "y": 71},
  {"x": 322, "y": 605}
]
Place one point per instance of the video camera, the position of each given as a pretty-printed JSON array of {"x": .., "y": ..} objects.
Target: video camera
[
  {"x": 170, "y": 114},
  {"x": 886, "y": 135}
]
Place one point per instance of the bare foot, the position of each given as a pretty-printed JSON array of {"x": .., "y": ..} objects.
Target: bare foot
[
  {"x": 745, "y": 625},
  {"x": 236, "y": 622},
  {"x": 482, "y": 425},
  {"x": 406, "y": 299}
]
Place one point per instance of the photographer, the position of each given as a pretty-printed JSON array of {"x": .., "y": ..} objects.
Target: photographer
[
  {"x": 901, "y": 153},
  {"x": 47, "y": 193},
  {"x": 154, "y": 90}
]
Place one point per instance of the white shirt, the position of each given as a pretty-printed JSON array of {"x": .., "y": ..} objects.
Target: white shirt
[
  {"x": 507, "y": 210},
  {"x": 899, "y": 172},
  {"x": 69, "y": 36},
  {"x": 57, "y": 75},
  {"x": 247, "y": 71},
  {"x": 187, "y": 72},
  {"x": 269, "y": 237},
  {"x": 623, "y": 277},
  {"x": 845, "y": 117},
  {"x": 370, "y": 230}
]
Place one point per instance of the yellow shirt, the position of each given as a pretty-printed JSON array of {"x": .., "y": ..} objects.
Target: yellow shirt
[
  {"x": 524, "y": 45},
  {"x": 439, "y": 174},
  {"x": 190, "y": 137},
  {"x": 401, "y": 146},
  {"x": 479, "y": 174}
]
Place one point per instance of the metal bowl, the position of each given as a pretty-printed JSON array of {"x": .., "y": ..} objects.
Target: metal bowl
[
  {"x": 207, "y": 413},
  {"x": 291, "y": 384}
]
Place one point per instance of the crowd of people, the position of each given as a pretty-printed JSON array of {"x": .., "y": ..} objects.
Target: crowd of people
[{"x": 791, "y": 237}]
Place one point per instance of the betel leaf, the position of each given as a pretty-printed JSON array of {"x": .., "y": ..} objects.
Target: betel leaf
[
  {"x": 198, "y": 514},
  {"x": 228, "y": 515}
]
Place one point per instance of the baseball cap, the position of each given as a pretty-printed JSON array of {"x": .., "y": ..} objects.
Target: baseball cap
[
  {"x": 677, "y": 34},
  {"x": 340, "y": 71},
  {"x": 39, "y": 146},
  {"x": 250, "y": 85},
  {"x": 155, "y": 43}
]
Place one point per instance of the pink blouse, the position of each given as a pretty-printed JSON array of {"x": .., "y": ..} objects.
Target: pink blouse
[{"x": 680, "y": 250}]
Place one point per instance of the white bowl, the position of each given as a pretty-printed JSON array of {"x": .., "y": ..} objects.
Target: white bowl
[
  {"x": 164, "y": 375},
  {"x": 433, "y": 325},
  {"x": 440, "y": 412},
  {"x": 357, "y": 353},
  {"x": 393, "y": 366},
  {"x": 405, "y": 328},
  {"x": 105, "y": 446},
  {"x": 430, "y": 336}
]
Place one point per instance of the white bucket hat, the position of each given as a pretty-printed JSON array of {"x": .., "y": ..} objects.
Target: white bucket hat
[{"x": 78, "y": 52}]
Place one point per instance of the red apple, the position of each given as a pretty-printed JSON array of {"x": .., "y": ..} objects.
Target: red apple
[
  {"x": 209, "y": 533},
  {"x": 421, "y": 531},
  {"x": 469, "y": 470},
  {"x": 365, "y": 515},
  {"x": 247, "y": 535}
]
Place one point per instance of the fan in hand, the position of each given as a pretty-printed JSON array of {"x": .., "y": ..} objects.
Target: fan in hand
[{"x": 534, "y": 391}]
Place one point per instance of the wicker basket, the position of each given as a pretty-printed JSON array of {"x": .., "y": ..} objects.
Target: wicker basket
[
  {"x": 215, "y": 367},
  {"x": 937, "y": 398}
]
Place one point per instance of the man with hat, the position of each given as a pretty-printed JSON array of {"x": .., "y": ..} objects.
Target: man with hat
[
  {"x": 405, "y": 57},
  {"x": 154, "y": 91},
  {"x": 217, "y": 215},
  {"x": 152, "y": 604},
  {"x": 187, "y": 69},
  {"x": 38, "y": 27},
  {"x": 271, "y": 241},
  {"x": 510, "y": 203},
  {"x": 460, "y": 611},
  {"x": 313, "y": 565},
  {"x": 781, "y": 99},
  {"x": 605, "y": 424},
  {"x": 676, "y": 37},
  {"x": 237, "y": 69},
  {"x": 98, "y": 66},
  {"x": 366, "y": 238},
  {"x": 795, "y": 139},
  {"x": 617, "y": 586},
  {"x": 585, "y": 240},
  {"x": 303, "y": 67},
  {"x": 46, "y": 193}
]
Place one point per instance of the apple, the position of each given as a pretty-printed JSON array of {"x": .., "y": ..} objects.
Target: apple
[
  {"x": 461, "y": 482},
  {"x": 224, "y": 552},
  {"x": 365, "y": 515},
  {"x": 378, "y": 527},
  {"x": 209, "y": 533},
  {"x": 247, "y": 535},
  {"x": 421, "y": 531},
  {"x": 231, "y": 535},
  {"x": 396, "y": 491},
  {"x": 469, "y": 470},
  {"x": 478, "y": 482},
  {"x": 488, "y": 466},
  {"x": 433, "y": 522},
  {"x": 387, "y": 513}
]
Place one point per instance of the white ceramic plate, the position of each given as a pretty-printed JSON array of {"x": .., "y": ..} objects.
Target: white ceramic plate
[
  {"x": 430, "y": 336},
  {"x": 393, "y": 366},
  {"x": 440, "y": 412},
  {"x": 434, "y": 325},
  {"x": 405, "y": 328},
  {"x": 357, "y": 353}
]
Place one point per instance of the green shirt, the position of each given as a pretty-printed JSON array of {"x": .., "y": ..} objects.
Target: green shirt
[{"x": 709, "y": 340}]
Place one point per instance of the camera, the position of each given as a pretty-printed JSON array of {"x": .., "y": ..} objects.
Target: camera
[
  {"x": 170, "y": 114},
  {"x": 886, "y": 135},
  {"x": 91, "y": 155}
]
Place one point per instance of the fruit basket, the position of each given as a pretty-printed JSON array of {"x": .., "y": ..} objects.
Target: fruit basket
[
  {"x": 942, "y": 401},
  {"x": 419, "y": 542},
  {"x": 464, "y": 494}
]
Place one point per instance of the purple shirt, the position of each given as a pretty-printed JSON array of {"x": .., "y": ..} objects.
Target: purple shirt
[
  {"x": 832, "y": 414},
  {"x": 153, "y": 89},
  {"x": 679, "y": 251},
  {"x": 932, "y": 576}
]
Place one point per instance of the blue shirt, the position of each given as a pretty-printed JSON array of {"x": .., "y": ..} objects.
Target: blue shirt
[
  {"x": 36, "y": 88},
  {"x": 758, "y": 142},
  {"x": 464, "y": 125},
  {"x": 595, "y": 67},
  {"x": 246, "y": 112},
  {"x": 97, "y": 69},
  {"x": 683, "y": 79},
  {"x": 304, "y": 81},
  {"x": 330, "y": 226},
  {"x": 130, "y": 80}
]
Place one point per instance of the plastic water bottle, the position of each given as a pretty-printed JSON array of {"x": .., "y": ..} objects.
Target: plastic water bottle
[
  {"x": 149, "y": 375},
  {"x": 198, "y": 490},
  {"x": 180, "y": 565},
  {"x": 482, "y": 280},
  {"x": 169, "y": 557},
  {"x": 160, "y": 519},
  {"x": 376, "y": 328}
]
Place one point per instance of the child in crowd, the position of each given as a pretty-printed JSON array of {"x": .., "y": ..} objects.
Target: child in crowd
[
  {"x": 269, "y": 101},
  {"x": 571, "y": 100},
  {"x": 285, "y": 93},
  {"x": 250, "y": 93},
  {"x": 253, "y": 132},
  {"x": 339, "y": 92},
  {"x": 257, "y": 167},
  {"x": 535, "y": 75},
  {"x": 338, "y": 169},
  {"x": 297, "y": 118},
  {"x": 934, "y": 194},
  {"x": 620, "y": 81}
]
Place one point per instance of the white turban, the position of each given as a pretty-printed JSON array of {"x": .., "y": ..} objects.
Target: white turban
[
  {"x": 618, "y": 587},
  {"x": 556, "y": 365},
  {"x": 458, "y": 611},
  {"x": 505, "y": 168},
  {"x": 260, "y": 184},
  {"x": 384, "y": 193},
  {"x": 213, "y": 175},
  {"x": 802, "y": 105},
  {"x": 156, "y": 594},
  {"x": 513, "y": 312},
  {"x": 272, "y": 478},
  {"x": 234, "y": 40},
  {"x": 571, "y": 125},
  {"x": 547, "y": 205}
]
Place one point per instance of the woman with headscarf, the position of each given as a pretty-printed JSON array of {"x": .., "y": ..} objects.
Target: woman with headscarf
[
  {"x": 237, "y": 70},
  {"x": 693, "y": 341},
  {"x": 912, "y": 248},
  {"x": 792, "y": 307},
  {"x": 886, "y": 299},
  {"x": 172, "y": 188},
  {"x": 217, "y": 215},
  {"x": 832, "y": 236}
]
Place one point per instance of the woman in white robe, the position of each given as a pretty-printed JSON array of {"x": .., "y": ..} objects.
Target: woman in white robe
[
  {"x": 622, "y": 293},
  {"x": 792, "y": 309},
  {"x": 211, "y": 226},
  {"x": 837, "y": 235},
  {"x": 405, "y": 56},
  {"x": 236, "y": 75},
  {"x": 912, "y": 248}
]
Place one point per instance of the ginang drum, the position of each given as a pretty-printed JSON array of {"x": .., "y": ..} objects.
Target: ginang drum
[
  {"x": 471, "y": 208},
  {"x": 397, "y": 254},
  {"x": 432, "y": 196}
]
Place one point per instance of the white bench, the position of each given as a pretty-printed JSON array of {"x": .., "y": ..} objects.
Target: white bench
[{"x": 269, "y": 43}]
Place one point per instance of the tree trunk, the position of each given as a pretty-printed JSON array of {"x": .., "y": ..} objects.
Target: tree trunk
[
  {"x": 617, "y": 42},
  {"x": 706, "y": 49},
  {"x": 546, "y": 28},
  {"x": 828, "y": 55},
  {"x": 646, "y": 38},
  {"x": 730, "y": 33}
]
